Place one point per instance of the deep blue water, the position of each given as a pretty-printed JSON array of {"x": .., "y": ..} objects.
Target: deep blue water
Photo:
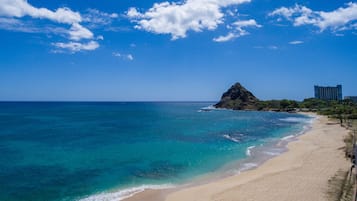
[{"x": 67, "y": 151}]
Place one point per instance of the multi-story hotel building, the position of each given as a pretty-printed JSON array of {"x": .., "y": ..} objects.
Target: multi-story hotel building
[{"x": 328, "y": 93}]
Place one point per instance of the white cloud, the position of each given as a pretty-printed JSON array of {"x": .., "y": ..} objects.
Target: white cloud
[
  {"x": 12, "y": 10},
  {"x": 97, "y": 18},
  {"x": 241, "y": 24},
  {"x": 239, "y": 29},
  {"x": 246, "y": 23},
  {"x": 296, "y": 42},
  {"x": 336, "y": 20},
  {"x": 78, "y": 32},
  {"x": 228, "y": 37},
  {"x": 133, "y": 13},
  {"x": 272, "y": 47},
  {"x": 12, "y": 24},
  {"x": 116, "y": 54},
  {"x": 76, "y": 46},
  {"x": 21, "y": 8},
  {"x": 129, "y": 57},
  {"x": 179, "y": 18},
  {"x": 269, "y": 47}
]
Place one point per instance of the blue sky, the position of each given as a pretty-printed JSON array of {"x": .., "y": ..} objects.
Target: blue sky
[{"x": 132, "y": 50}]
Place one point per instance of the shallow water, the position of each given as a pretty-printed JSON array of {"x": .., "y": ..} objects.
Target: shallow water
[{"x": 68, "y": 151}]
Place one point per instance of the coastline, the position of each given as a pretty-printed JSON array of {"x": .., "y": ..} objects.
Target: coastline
[{"x": 300, "y": 173}]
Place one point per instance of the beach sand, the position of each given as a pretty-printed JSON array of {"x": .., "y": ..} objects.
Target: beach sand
[{"x": 300, "y": 174}]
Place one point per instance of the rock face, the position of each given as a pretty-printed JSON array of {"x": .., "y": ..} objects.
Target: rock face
[{"x": 238, "y": 98}]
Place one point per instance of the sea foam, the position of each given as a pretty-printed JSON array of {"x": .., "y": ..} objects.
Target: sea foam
[
  {"x": 295, "y": 120},
  {"x": 231, "y": 138},
  {"x": 123, "y": 194},
  {"x": 207, "y": 108},
  {"x": 248, "y": 166},
  {"x": 248, "y": 152},
  {"x": 288, "y": 137}
]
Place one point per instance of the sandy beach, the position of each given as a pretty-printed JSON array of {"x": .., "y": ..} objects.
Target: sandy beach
[{"x": 300, "y": 174}]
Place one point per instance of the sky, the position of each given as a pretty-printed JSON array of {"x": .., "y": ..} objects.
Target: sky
[{"x": 189, "y": 50}]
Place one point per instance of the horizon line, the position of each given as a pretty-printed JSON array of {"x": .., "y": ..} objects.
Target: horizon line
[{"x": 103, "y": 101}]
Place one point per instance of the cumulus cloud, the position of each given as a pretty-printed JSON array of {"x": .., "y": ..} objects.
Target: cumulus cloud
[
  {"x": 21, "y": 8},
  {"x": 76, "y": 46},
  {"x": 342, "y": 18},
  {"x": 11, "y": 11},
  {"x": 296, "y": 42},
  {"x": 177, "y": 19},
  {"x": 123, "y": 56},
  {"x": 133, "y": 13},
  {"x": 78, "y": 32},
  {"x": 238, "y": 29}
]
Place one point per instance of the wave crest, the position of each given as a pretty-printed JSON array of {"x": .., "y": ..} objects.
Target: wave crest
[
  {"x": 207, "y": 108},
  {"x": 248, "y": 152},
  {"x": 295, "y": 120},
  {"x": 231, "y": 138},
  {"x": 123, "y": 194}
]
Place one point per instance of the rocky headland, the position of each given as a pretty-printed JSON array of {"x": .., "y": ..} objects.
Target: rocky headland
[{"x": 238, "y": 97}]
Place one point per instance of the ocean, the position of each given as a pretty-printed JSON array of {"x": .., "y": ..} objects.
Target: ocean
[{"x": 109, "y": 150}]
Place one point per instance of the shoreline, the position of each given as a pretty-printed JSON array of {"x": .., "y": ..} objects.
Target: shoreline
[{"x": 318, "y": 144}]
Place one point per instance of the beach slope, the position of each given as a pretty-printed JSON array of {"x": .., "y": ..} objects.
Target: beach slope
[{"x": 300, "y": 174}]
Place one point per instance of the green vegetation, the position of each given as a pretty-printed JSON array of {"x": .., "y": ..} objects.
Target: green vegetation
[
  {"x": 239, "y": 98},
  {"x": 345, "y": 109},
  {"x": 278, "y": 105}
]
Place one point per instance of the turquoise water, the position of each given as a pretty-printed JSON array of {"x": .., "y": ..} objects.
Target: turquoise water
[{"x": 68, "y": 151}]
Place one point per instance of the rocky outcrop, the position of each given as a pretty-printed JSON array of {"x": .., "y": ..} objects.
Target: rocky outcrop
[{"x": 238, "y": 98}]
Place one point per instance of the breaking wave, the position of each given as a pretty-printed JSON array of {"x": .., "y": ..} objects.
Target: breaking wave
[
  {"x": 233, "y": 139},
  {"x": 123, "y": 194}
]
